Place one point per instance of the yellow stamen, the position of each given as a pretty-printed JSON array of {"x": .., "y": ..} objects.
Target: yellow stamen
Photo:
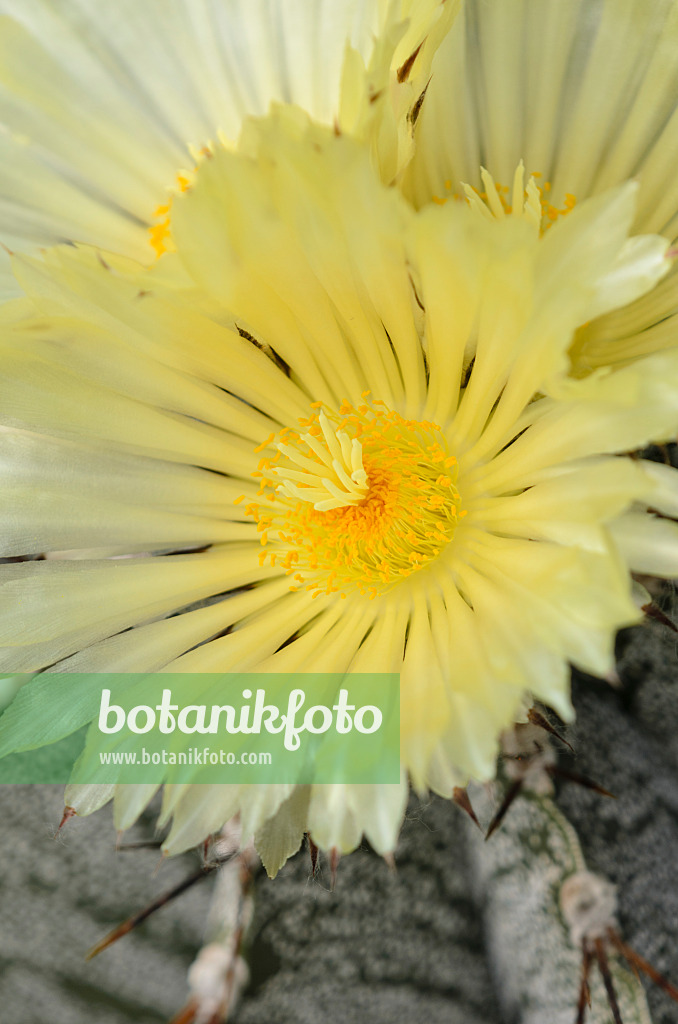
[{"x": 499, "y": 200}]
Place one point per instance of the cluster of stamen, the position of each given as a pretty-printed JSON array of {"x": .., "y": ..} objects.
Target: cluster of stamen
[
  {"x": 504, "y": 199},
  {"x": 356, "y": 500}
]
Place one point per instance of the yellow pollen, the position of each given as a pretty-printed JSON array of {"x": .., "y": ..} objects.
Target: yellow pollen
[
  {"x": 160, "y": 233},
  {"x": 357, "y": 500}
]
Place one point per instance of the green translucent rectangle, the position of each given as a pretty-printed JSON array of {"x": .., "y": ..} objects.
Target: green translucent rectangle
[{"x": 206, "y": 728}]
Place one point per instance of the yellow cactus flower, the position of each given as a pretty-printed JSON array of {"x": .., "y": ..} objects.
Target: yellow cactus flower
[
  {"x": 585, "y": 95},
  {"x": 336, "y": 433},
  {"x": 107, "y": 109}
]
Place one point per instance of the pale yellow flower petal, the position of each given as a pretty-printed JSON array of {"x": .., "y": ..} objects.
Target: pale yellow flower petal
[
  {"x": 339, "y": 814},
  {"x": 663, "y": 492},
  {"x": 49, "y": 398},
  {"x": 86, "y": 799},
  {"x": 574, "y": 596},
  {"x": 165, "y": 327},
  {"x": 129, "y": 802},
  {"x": 291, "y": 269},
  {"x": 648, "y": 545},
  {"x": 256, "y": 639},
  {"x": 151, "y": 647},
  {"x": 608, "y": 412},
  {"x": 197, "y": 812},
  {"x": 45, "y": 617},
  {"x": 123, "y": 512},
  {"x": 570, "y": 508},
  {"x": 331, "y": 818}
]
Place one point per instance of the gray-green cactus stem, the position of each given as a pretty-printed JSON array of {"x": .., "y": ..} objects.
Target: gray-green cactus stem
[{"x": 518, "y": 878}]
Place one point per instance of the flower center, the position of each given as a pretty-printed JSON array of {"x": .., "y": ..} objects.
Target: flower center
[{"x": 360, "y": 500}]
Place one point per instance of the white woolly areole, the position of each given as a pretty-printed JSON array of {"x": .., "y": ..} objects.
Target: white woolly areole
[
  {"x": 528, "y": 757},
  {"x": 589, "y": 905}
]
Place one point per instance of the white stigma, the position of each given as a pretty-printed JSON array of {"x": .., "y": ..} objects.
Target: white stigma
[{"x": 334, "y": 479}]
